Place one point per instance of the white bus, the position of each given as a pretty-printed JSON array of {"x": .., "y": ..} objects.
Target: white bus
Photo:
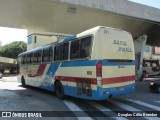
[{"x": 96, "y": 64}]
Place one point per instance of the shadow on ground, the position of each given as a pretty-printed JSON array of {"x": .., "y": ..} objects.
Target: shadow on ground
[{"x": 9, "y": 75}]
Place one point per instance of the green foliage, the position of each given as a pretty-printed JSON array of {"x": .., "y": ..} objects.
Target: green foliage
[{"x": 13, "y": 49}]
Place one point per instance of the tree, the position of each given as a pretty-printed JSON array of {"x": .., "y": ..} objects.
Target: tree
[{"x": 13, "y": 49}]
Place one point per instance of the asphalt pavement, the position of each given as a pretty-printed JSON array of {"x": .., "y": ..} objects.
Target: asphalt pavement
[{"x": 14, "y": 97}]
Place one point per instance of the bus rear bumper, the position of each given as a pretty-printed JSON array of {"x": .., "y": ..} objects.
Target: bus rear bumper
[{"x": 105, "y": 93}]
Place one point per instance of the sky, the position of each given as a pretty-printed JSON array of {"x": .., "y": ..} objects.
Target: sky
[
  {"x": 153, "y": 3},
  {"x": 8, "y": 35}
]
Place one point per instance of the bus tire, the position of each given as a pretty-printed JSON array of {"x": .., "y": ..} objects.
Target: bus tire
[
  {"x": 23, "y": 81},
  {"x": 59, "y": 90}
]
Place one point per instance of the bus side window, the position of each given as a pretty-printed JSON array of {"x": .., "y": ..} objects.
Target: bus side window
[
  {"x": 35, "y": 57},
  {"x": 39, "y": 54},
  {"x": 75, "y": 50},
  {"x": 50, "y": 54},
  {"x": 28, "y": 58},
  {"x": 22, "y": 59},
  {"x": 19, "y": 60},
  {"x": 25, "y": 59},
  {"x": 85, "y": 47},
  {"x": 65, "y": 51},
  {"x": 31, "y": 58},
  {"x": 45, "y": 55},
  {"x": 58, "y": 52}
]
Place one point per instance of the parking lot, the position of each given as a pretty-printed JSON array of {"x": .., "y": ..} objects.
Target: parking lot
[{"x": 14, "y": 97}]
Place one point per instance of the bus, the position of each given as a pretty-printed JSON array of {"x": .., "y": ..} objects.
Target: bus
[
  {"x": 96, "y": 64},
  {"x": 151, "y": 68}
]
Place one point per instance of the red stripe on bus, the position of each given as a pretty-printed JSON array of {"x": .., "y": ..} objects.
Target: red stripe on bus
[
  {"x": 41, "y": 70},
  {"x": 76, "y": 79},
  {"x": 94, "y": 80},
  {"x": 118, "y": 79}
]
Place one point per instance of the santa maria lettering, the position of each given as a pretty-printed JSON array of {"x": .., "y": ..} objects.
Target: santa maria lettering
[
  {"x": 118, "y": 42},
  {"x": 122, "y": 46},
  {"x": 125, "y": 49}
]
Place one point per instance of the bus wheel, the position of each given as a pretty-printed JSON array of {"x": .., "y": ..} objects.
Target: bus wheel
[
  {"x": 23, "y": 81},
  {"x": 59, "y": 90}
]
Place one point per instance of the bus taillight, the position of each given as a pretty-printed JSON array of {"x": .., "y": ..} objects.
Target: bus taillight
[
  {"x": 99, "y": 73},
  {"x": 99, "y": 69}
]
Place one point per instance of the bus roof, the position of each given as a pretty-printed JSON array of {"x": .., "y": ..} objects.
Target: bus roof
[
  {"x": 35, "y": 49},
  {"x": 91, "y": 31}
]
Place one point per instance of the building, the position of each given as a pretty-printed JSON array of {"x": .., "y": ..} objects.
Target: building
[
  {"x": 151, "y": 52},
  {"x": 39, "y": 39},
  {"x": 156, "y": 52},
  {"x": 148, "y": 51}
]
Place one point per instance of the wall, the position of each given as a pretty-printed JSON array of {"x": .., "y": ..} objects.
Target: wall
[{"x": 40, "y": 39}]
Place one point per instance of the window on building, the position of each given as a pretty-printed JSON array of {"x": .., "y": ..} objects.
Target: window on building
[
  {"x": 30, "y": 40},
  {"x": 35, "y": 39},
  {"x": 147, "y": 49}
]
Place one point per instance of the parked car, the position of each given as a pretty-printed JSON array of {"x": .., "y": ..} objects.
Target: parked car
[
  {"x": 151, "y": 67},
  {"x": 155, "y": 85},
  {"x": 0, "y": 75}
]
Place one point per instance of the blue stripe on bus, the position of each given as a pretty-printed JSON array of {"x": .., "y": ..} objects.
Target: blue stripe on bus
[
  {"x": 47, "y": 86},
  {"x": 79, "y": 63},
  {"x": 52, "y": 69},
  {"x": 93, "y": 63},
  {"x": 47, "y": 82},
  {"x": 107, "y": 63},
  {"x": 69, "y": 38}
]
